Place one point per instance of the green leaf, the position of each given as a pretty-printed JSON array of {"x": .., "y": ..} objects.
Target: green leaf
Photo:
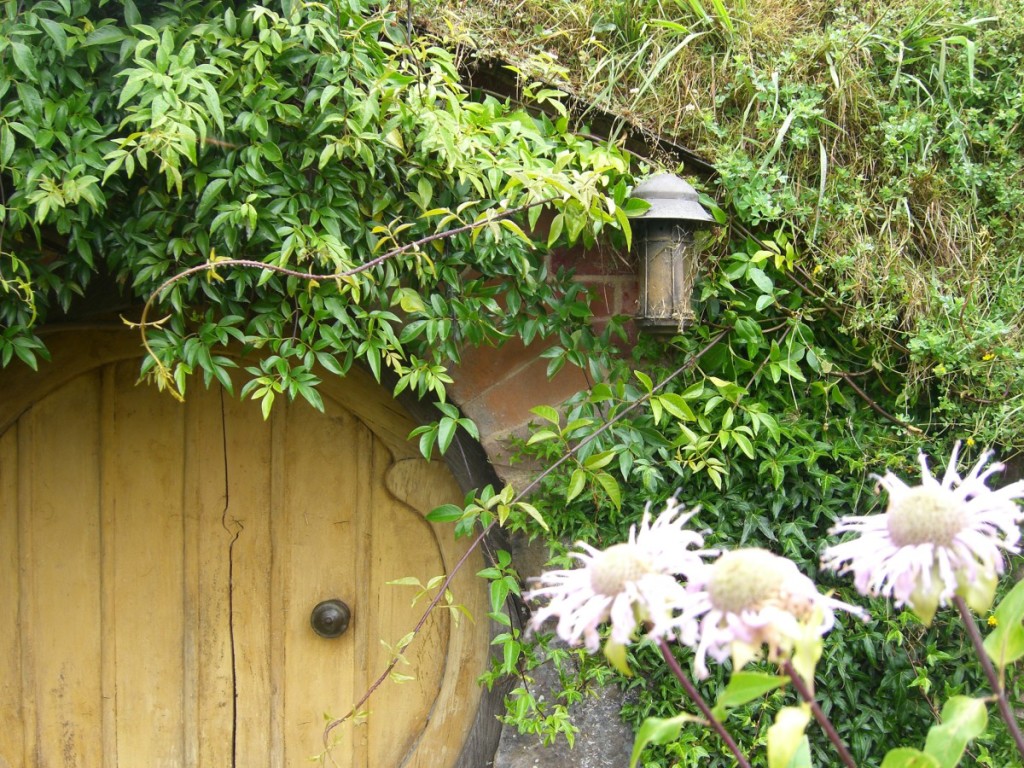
[
  {"x": 546, "y": 412},
  {"x": 658, "y": 730},
  {"x": 446, "y": 433},
  {"x": 743, "y": 688},
  {"x": 677, "y": 406},
  {"x": 963, "y": 720},
  {"x": 645, "y": 380},
  {"x": 131, "y": 13},
  {"x": 611, "y": 487},
  {"x": 209, "y": 197},
  {"x": 542, "y": 435},
  {"x": 6, "y": 144},
  {"x": 24, "y": 60},
  {"x": 576, "y": 483},
  {"x": 744, "y": 443},
  {"x": 446, "y": 513},
  {"x": 56, "y": 33},
  {"x": 405, "y": 581},
  {"x": 266, "y": 403},
  {"x": 1005, "y": 644},
  {"x": 533, "y": 512},
  {"x": 616, "y": 655},
  {"x": 905, "y": 757},
  {"x": 786, "y": 736},
  {"x": 557, "y": 224},
  {"x": 599, "y": 460},
  {"x": 104, "y": 36},
  {"x": 761, "y": 280}
]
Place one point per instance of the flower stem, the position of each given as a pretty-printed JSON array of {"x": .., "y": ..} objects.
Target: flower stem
[
  {"x": 702, "y": 705},
  {"x": 823, "y": 721},
  {"x": 986, "y": 664}
]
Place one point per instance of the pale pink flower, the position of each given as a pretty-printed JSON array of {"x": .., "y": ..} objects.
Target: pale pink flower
[
  {"x": 751, "y": 602},
  {"x": 632, "y": 584},
  {"x": 935, "y": 540}
]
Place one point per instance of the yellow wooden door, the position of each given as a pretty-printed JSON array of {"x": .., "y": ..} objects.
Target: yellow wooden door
[{"x": 159, "y": 562}]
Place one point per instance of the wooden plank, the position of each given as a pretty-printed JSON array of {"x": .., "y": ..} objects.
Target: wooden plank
[
  {"x": 403, "y": 546},
  {"x": 423, "y": 486},
  {"x": 60, "y": 568},
  {"x": 146, "y": 457},
  {"x": 305, "y": 495},
  {"x": 209, "y": 661},
  {"x": 248, "y": 514},
  {"x": 12, "y": 746},
  {"x": 108, "y": 556},
  {"x": 324, "y": 455},
  {"x": 364, "y": 641},
  {"x": 278, "y": 526}
]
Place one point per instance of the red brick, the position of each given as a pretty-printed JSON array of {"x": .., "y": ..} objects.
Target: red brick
[
  {"x": 600, "y": 260},
  {"x": 604, "y": 296},
  {"x": 482, "y": 367},
  {"x": 629, "y": 295},
  {"x": 506, "y": 405}
]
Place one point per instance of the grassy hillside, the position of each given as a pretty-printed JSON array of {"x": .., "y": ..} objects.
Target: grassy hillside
[{"x": 884, "y": 138}]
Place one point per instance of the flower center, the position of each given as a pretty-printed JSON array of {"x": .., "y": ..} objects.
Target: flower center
[
  {"x": 615, "y": 567},
  {"x": 925, "y": 516},
  {"x": 744, "y": 579}
]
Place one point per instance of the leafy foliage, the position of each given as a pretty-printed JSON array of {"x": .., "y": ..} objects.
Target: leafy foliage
[
  {"x": 753, "y": 417},
  {"x": 883, "y": 138},
  {"x": 868, "y": 293},
  {"x": 334, "y": 190},
  {"x": 311, "y": 180}
]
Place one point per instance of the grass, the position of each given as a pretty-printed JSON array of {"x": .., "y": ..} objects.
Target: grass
[{"x": 884, "y": 137}]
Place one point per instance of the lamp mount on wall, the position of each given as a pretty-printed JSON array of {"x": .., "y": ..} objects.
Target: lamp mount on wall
[{"x": 664, "y": 240}]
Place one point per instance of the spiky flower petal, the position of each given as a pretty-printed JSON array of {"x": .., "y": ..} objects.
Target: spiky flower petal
[
  {"x": 935, "y": 540},
  {"x": 750, "y": 601},
  {"x": 632, "y": 584}
]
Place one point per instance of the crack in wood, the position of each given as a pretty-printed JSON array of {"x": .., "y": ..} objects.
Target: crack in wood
[{"x": 234, "y": 529}]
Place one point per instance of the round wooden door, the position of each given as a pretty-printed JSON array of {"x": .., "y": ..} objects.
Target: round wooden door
[{"x": 159, "y": 563}]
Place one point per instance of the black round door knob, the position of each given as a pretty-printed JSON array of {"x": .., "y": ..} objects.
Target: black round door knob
[{"x": 330, "y": 618}]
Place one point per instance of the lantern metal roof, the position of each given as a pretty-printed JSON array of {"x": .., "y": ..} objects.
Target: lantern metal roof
[{"x": 670, "y": 198}]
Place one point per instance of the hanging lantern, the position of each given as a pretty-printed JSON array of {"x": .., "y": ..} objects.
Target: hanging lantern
[{"x": 664, "y": 240}]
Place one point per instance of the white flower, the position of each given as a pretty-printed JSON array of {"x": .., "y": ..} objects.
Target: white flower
[
  {"x": 749, "y": 599},
  {"x": 935, "y": 540},
  {"x": 632, "y": 584}
]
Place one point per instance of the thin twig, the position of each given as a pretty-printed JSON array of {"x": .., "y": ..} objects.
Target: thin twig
[
  {"x": 1005, "y": 711},
  {"x": 213, "y": 265},
  {"x": 874, "y": 405},
  {"x": 807, "y": 695},
  {"x": 702, "y": 705}
]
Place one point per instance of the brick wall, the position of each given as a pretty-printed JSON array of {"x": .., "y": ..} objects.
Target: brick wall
[{"x": 496, "y": 387}]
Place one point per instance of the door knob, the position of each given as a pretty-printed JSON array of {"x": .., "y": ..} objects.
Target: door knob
[{"x": 330, "y": 618}]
